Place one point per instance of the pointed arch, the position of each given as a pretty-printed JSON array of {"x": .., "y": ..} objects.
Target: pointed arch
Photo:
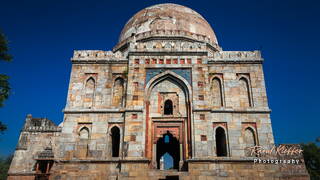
[
  {"x": 185, "y": 87},
  {"x": 84, "y": 133},
  {"x": 250, "y": 137},
  {"x": 217, "y": 93},
  {"x": 118, "y": 92},
  {"x": 169, "y": 75},
  {"x": 245, "y": 95},
  {"x": 90, "y": 87},
  {"x": 221, "y": 142},
  {"x": 115, "y": 141}
]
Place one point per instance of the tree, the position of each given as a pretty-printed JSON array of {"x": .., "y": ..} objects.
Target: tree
[
  {"x": 4, "y": 166},
  {"x": 4, "y": 83},
  {"x": 311, "y": 154}
]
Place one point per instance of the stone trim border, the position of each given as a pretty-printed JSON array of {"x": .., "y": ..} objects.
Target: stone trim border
[
  {"x": 97, "y": 61},
  {"x": 220, "y": 160},
  {"x": 233, "y": 111},
  {"x": 22, "y": 174},
  {"x": 238, "y": 61},
  {"x": 168, "y": 53},
  {"x": 75, "y": 111},
  {"x": 105, "y": 161}
]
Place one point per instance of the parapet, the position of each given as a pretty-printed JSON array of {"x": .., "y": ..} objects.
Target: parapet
[
  {"x": 236, "y": 57},
  {"x": 97, "y": 56},
  {"x": 40, "y": 125}
]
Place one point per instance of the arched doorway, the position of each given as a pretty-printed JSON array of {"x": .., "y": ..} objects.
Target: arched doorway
[
  {"x": 168, "y": 147},
  {"x": 115, "y": 141},
  {"x": 221, "y": 142}
]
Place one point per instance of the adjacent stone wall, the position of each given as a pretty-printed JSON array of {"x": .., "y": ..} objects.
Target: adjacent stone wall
[{"x": 36, "y": 135}]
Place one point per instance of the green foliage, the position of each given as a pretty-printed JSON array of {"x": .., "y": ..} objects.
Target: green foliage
[
  {"x": 3, "y": 127},
  {"x": 4, "y": 166},
  {"x": 311, "y": 154},
  {"x": 4, "y": 83},
  {"x": 4, "y": 48},
  {"x": 4, "y": 88}
]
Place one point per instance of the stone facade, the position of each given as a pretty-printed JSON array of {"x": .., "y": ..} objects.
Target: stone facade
[{"x": 167, "y": 87}]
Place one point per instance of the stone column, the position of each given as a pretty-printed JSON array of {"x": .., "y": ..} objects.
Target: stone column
[
  {"x": 161, "y": 163},
  {"x": 181, "y": 157},
  {"x": 154, "y": 156}
]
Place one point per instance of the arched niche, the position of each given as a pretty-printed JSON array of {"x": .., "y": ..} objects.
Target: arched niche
[
  {"x": 250, "y": 137},
  {"x": 118, "y": 92},
  {"x": 168, "y": 86},
  {"x": 90, "y": 87},
  {"x": 244, "y": 92},
  {"x": 84, "y": 133},
  {"x": 216, "y": 92}
]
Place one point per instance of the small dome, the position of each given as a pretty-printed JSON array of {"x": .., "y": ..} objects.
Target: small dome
[{"x": 168, "y": 17}]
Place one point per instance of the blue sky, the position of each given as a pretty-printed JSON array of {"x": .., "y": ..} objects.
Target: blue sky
[{"x": 43, "y": 35}]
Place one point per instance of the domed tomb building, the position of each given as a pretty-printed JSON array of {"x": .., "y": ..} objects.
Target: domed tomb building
[{"x": 166, "y": 103}]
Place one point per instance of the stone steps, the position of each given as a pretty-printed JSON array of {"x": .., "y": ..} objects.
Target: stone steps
[{"x": 154, "y": 175}]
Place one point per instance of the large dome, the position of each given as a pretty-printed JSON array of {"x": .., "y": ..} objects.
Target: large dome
[{"x": 171, "y": 17}]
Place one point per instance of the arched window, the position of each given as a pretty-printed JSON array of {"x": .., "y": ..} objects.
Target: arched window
[
  {"x": 217, "y": 100},
  {"x": 249, "y": 137},
  {"x": 245, "y": 98},
  {"x": 115, "y": 138},
  {"x": 221, "y": 142},
  {"x": 89, "y": 93},
  {"x": 168, "y": 107},
  {"x": 84, "y": 133},
  {"x": 118, "y": 90}
]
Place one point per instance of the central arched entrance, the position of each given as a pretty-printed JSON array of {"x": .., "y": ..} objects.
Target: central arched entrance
[
  {"x": 168, "y": 116},
  {"x": 168, "y": 152}
]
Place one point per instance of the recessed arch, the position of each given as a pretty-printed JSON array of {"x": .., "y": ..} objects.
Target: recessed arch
[
  {"x": 217, "y": 92},
  {"x": 245, "y": 92},
  {"x": 118, "y": 92},
  {"x": 84, "y": 133},
  {"x": 90, "y": 86},
  {"x": 250, "y": 137},
  {"x": 185, "y": 127},
  {"x": 168, "y": 75}
]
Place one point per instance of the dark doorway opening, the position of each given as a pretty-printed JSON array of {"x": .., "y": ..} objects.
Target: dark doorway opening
[
  {"x": 115, "y": 137},
  {"x": 171, "y": 178},
  {"x": 43, "y": 169},
  {"x": 221, "y": 143},
  {"x": 168, "y": 107},
  {"x": 168, "y": 147}
]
